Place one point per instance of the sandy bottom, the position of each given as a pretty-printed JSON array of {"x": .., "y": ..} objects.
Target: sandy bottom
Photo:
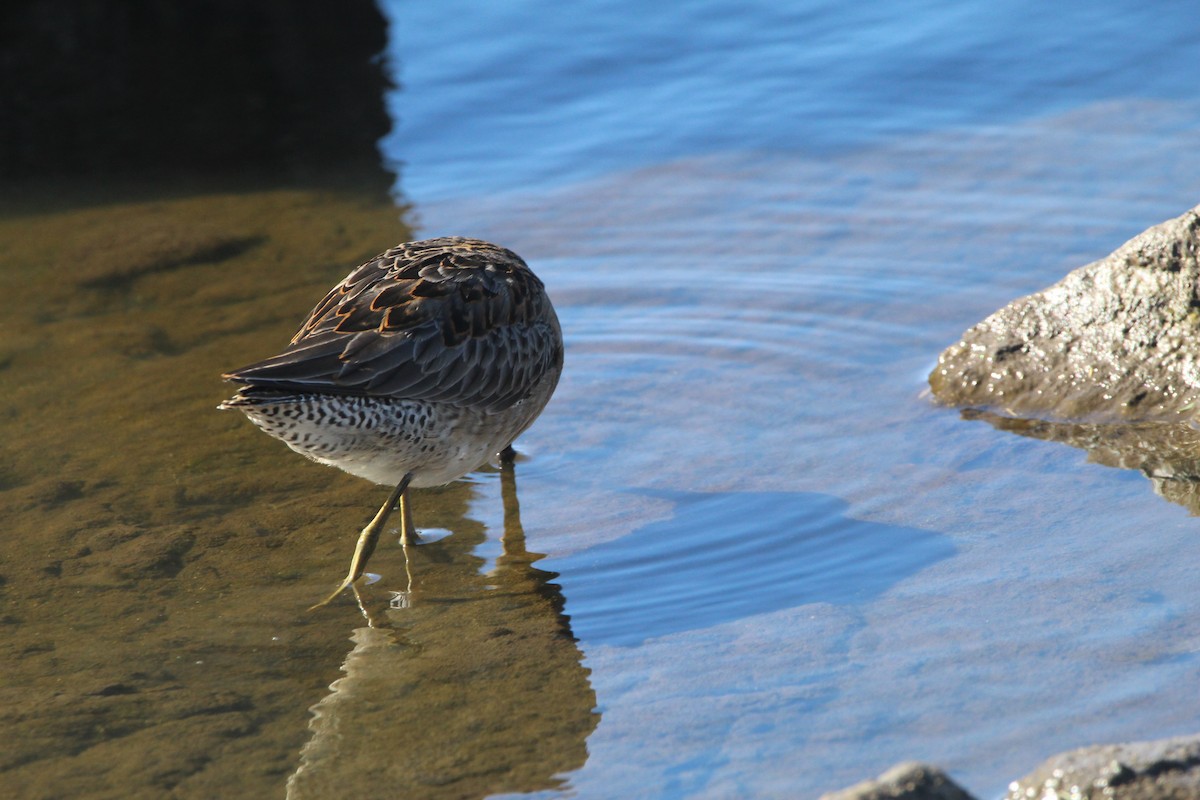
[{"x": 159, "y": 555}]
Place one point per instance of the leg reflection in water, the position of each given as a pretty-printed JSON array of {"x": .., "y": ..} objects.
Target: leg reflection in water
[{"x": 476, "y": 688}]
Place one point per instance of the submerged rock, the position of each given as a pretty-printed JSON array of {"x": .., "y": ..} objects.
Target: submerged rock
[{"x": 1117, "y": 339}]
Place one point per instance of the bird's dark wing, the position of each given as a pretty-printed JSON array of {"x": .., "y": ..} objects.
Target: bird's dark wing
[{"x": 453, "y": 320}]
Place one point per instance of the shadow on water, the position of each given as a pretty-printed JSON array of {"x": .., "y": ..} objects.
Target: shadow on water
[
  {"x": 724, "y": 556},
  {"x": 1167, "y": 453},
  {"x": 473, "y": 686}
]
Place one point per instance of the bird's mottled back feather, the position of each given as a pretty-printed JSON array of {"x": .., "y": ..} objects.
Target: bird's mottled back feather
[{"x": 453, "y": 320}]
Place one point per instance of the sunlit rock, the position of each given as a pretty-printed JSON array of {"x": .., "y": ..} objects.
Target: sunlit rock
[
  {"x": 1114, "y": 340},
  {"x": 1166, "y": 768},
  {"x": 908, "y": 781}
]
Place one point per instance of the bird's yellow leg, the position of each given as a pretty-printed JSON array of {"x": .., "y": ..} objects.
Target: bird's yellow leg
[
  {"x": 368, "y": 538},
  {"x": 408, "y": 531}
]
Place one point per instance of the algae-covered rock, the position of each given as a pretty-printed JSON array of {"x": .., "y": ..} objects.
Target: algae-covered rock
[{"x": 1117, "y": 339}]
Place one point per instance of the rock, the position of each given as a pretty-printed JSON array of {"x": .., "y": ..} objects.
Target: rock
[
  {"x": 907, "y": 781},
  {"x": 1166, "y": 769},
  {"x": 1118, "y": 339}
]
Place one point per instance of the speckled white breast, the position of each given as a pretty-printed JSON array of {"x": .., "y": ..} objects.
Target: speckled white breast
[{"x": 381, "y": 439}]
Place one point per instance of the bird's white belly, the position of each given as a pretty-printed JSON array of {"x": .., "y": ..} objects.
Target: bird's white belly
[{"x": 381, "y": 441}]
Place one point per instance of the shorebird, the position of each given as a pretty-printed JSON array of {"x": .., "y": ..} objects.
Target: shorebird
[{"x": 420, "y": 366}]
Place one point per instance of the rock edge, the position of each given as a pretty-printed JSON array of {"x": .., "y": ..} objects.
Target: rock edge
[
  {"x": 1163, "y": 769},
  {"x": 1117, "y": 339}
]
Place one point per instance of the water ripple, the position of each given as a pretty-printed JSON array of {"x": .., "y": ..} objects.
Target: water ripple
[{"x": 724, "y": 556}]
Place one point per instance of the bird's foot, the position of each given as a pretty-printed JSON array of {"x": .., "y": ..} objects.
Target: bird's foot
[{"x": 343, "y": 586}]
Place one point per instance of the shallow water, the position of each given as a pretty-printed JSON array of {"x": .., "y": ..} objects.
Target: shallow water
[
  {"x": 834, "y": 574},
  {"x": 772, "y": 567}
]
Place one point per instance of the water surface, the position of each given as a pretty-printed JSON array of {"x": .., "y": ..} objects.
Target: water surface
[{"x": 761, "y": 223}]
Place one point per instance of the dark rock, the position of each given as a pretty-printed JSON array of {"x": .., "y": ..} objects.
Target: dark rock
[
  {"x": 907, "y": 781},
  {"x": 1118, "y": 339},
  {"x": 1166, "y": 769}
]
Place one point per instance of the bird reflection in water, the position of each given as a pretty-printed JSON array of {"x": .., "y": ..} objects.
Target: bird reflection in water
[{"x": 476, "y": 688}]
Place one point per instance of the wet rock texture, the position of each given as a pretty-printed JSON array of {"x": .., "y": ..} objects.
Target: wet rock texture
[
  {"x": 1166, "y": 769},
  {"x": 1158, "y": 770},
  {"x": 1117, "y": 339}
]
